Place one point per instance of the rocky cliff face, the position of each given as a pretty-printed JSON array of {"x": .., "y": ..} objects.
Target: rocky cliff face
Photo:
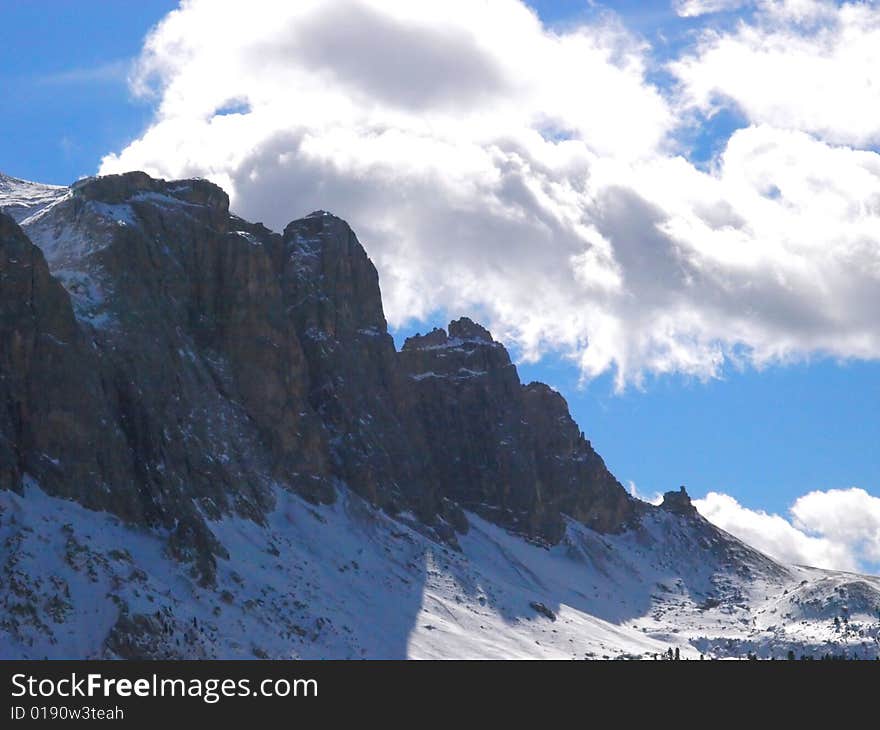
[
  {"x": 54, "y": 422},
  {"x": 331, "y": 293},
  {"x": 169, "y": 362},
  {"x": 202, "y": 396},
  {"x": 509, "y": 452}
]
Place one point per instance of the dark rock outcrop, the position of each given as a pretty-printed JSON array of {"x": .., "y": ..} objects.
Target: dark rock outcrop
[
  {"x": 200, "y": 393},
  {"x": 509, "y": 452},
  {"x": 55, "y": 425},
  {"x": 543, "y": 610},
  {"x": 331, "y": 293},
  {"x": 167, "y": 361},
  {"x": 574, "y": 477},
  {"x": 678, "y": 502}
]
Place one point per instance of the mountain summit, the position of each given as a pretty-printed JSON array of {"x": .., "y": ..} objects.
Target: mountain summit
[{"x": 209, "y": 441}]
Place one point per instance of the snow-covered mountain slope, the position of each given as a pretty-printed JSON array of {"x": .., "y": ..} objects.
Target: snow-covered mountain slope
[
  {"x": 22, "y": 198},
  {"x": 346, "y": 581}
]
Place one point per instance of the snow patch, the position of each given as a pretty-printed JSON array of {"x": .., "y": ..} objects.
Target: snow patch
[
  {"x": 346, "y": 581},
  {"x": 22, "y": 198}
]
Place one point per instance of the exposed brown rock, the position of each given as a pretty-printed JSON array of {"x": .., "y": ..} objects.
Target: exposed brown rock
[
  {"x": 508, "y": 452},
  {"x": 54, "y": 422},
  {"x": 179, "y": 361},
  {"x": 331, "y": 292},
  {"x": 678, "y": 502}
]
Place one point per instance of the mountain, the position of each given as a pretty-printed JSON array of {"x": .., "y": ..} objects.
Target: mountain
[
  {"x": 210, "y": 447},
  {"x": 22, "y": 198}
]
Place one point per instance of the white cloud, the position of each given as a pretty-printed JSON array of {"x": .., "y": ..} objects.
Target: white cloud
[
  {"x": 656, "y": 498},
  {"x": 847, "y": 516},
  {"x": 492, "y": 166},
  {"x": 837, "y": 529},
  {"x": 695, "y": 8},
  {"x": 802, "y": 64}
]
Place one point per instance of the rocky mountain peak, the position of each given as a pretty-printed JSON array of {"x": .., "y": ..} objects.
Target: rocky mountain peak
[
  {"x": 509, "y": 452},
  {"x": 318, "y": 223},
  {"x": 468, "y": 330},
  {"x": 329, "y": 279},
  {"x": 463, "y": 334},
  {"x": 437, "y": 337},
  {"x": 678, "y": 502},
  {"x": 467, "y": 351},
  {"x": 128, "y": 186}
]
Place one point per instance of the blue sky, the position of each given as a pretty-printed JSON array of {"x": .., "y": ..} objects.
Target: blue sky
[
  {"x": 766, "y": 436},
  {"x": 63, "y": 70}
]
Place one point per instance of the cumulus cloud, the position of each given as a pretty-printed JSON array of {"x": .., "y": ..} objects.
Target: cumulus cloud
[
  {"x": 837, "y": 529},
  {"x": 846, "y": 516},
  {"x": 802, "y": 64},
  {"x": 529, "y": 176}
]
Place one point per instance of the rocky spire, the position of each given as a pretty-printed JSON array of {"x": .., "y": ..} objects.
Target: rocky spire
[{"x": 678, "y": 502}]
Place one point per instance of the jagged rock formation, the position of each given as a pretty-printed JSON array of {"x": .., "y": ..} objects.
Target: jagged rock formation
[
  {"x": 170, "y": 362},
  {"x": 509, "y": 452},
  {"x": 678, "y": 502},
  {"x": 331, "y": 292}
]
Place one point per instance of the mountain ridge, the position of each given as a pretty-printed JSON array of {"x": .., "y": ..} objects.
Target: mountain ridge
[
  {"x": 188, "y": 376},
  {"x": 297, "y": 319}
]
